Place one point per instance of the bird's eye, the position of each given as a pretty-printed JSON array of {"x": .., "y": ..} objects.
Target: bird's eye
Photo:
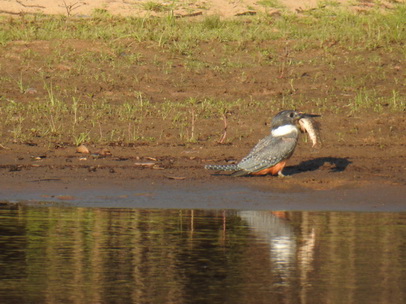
[{"x": 291, "y": 115}]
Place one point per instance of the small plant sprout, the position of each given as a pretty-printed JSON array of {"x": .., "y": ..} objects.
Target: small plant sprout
[
  {"x": 20, "y": 83},
  {"x": 81, "y": 138}
]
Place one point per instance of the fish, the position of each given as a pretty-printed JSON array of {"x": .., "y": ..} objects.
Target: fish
[{"x": 312, "y": 128}]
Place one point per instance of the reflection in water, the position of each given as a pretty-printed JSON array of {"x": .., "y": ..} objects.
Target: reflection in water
[
  {"x": 80, "y": 255},
  {"x": 279, "y": 234},
  {"x": 286, "y": 254}
]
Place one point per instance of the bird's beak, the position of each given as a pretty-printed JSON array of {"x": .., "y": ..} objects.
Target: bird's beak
[{"x": 303, "y": 115}]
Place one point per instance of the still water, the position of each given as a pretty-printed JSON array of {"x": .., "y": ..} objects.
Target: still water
[{"x": 59, "y": 254}]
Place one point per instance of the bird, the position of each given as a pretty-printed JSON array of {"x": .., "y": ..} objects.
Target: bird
[{"x": 271, "y": 153}]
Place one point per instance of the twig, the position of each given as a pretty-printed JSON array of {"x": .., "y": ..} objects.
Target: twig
[
  {"x": 26, "y": 5},
  {"x": 10, "y": 13},
  {"x": 189, "y": 15},
  {"x": 192, "y": 136},
  {"x": 71, "y": 7},
  {"x": 285, "y": 59},
  {"x": 223, "y": 137}
]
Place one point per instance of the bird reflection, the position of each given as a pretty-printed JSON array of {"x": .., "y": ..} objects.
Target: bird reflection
[{"x": 288, "y": 252}]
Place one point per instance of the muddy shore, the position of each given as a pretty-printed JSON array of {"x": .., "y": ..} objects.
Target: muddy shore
[{"x": 174, "y": 177}]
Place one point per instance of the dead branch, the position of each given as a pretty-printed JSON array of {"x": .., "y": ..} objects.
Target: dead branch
[
  {"x": 223, "y": 137},
  {"x": 71, "y": 7},
  {"x": 26, "y": 5}
]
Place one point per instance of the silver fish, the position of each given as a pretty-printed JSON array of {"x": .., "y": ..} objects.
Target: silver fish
[{"x": 312, "y": 128}]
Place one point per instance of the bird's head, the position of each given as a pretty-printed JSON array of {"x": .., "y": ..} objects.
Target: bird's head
[{"x": 285, "y": 122}]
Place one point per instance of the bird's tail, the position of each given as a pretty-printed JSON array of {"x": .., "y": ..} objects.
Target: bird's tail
[{"x": 222, "y": 167}]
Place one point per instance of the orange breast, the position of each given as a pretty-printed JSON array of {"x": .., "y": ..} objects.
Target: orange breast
[{"x": 272, "y": 170}]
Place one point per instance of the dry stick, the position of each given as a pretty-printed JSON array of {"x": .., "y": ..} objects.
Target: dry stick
[
  {"x": 11, "y": 13},
  {"x": 285, "y": 59},
  {"x": 70, "y": 7},
  {"x": 129, "y": 2},
  {"x": 100, "y": 131},
  {"x": 26, "y": 5},
  {"x": 223, "y": 137},
  {"x": 189, "y": 15},
  {"x": 192, "y": 136}
]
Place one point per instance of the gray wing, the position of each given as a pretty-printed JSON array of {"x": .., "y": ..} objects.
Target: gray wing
[{"x": 267, "y": 153}]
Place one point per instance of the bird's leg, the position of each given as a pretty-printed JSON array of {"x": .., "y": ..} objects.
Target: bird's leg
[
  {"x": 280, "y": 168},
  {"x": 281, "y": 175}
]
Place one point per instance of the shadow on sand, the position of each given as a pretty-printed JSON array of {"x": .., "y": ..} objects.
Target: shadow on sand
[{"x": 335, "y": 164}]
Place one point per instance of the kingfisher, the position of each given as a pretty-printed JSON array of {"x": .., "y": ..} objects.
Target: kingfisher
[{"x": 271, "y": 153}]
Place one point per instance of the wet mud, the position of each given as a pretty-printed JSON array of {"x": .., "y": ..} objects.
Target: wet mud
[{"x": 129, "y": 178}]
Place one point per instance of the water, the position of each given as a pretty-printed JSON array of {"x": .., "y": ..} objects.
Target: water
[{"x": 59, "y": 254}]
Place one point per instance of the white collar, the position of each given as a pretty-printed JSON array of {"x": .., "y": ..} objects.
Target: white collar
[{"x": 284, "y": 130}]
